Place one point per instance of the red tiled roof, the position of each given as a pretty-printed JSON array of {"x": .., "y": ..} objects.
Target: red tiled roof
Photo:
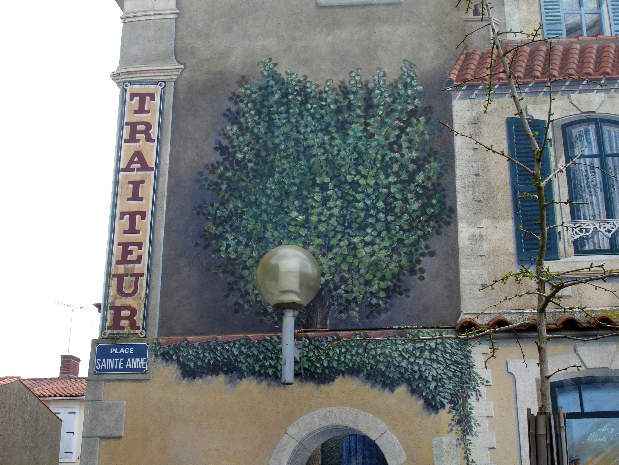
[
  {"x": 57, "y": 387},
  {"x": 8, "y": 379},
  {"x": 582, "y": 58},
  {"x": 565, "y": 322}
]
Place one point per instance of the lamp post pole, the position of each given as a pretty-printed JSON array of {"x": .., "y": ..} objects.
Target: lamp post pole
[
  {"x": 289, "y": 349},
  {"x": 288, "y": 278}
]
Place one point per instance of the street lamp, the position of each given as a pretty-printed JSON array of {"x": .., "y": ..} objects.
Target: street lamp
[{"x": 288, "y": 278}]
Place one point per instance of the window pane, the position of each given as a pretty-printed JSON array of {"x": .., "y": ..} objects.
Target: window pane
[
  {"x": 570, "y": 5},
  {"x": 587, "y": 197},
  {"x": 611, "y": 137},
  {"x": 600, "y": 397},
  {"x": 583, "y": 140},
  {"x": 593, "y": 25},
  {"x": 573, "y": 28},
  {"x": 591, "y": 4},
  {"x": 593, "y": 441},
  {"x": 612, "y": 181},
  {"x": 567, "y": 399},
  {"x": 586, "y": 193}
]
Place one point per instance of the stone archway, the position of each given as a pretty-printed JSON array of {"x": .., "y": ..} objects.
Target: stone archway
[{"x": 303, "y": 436}]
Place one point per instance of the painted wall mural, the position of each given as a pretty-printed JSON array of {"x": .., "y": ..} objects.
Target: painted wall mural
[
  {"x": 433, "y": 367},
  {"x": 345, "y": 171}
]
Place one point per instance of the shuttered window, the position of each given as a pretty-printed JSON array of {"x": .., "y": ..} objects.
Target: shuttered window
[
  {"x": 574, "y": 18},
  {"x": 526, "y": 212},
  {"x": 613, "y": 8},
  {"x": 68, "y": 433}
]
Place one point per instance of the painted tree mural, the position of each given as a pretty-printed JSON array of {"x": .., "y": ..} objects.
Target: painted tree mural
[{"x": 345, "y": 171}]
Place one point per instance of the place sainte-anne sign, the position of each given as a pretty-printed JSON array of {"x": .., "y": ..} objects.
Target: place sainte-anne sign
[
  {"x": 126, "y": 291},
  {"x": 121, "y": 358}
]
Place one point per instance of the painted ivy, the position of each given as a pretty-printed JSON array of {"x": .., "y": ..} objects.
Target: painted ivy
[
  {"x": 438, "y": 371},
  {"x": 345, "y": 171}
]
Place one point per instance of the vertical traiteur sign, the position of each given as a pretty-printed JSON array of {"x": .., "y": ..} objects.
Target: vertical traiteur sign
[{"x": 127, "y": 273}]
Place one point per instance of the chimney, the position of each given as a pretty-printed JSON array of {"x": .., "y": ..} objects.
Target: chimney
[{"x": 69, "y": 366}]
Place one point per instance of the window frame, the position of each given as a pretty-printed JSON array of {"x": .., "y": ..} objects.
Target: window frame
[
  {"x": 579, "y": 382},
  {"x": 612, "y": 211},
  {"x": 582, "y": 12},
  {"x": 553, "y": 13}
]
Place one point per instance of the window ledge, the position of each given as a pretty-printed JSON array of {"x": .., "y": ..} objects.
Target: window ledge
[{"x": 610, "y": 262}]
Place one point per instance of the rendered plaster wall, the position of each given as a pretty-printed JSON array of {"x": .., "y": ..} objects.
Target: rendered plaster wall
[
  {"x": 485, "y": 210},
  {"x": 211, "y": 421},
  {"x": 219, "y": 43},
  {"x": 29, "y": 431},
  {"x": 529, "y": 15}
]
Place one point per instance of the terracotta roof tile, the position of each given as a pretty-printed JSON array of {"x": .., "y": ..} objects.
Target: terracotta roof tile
[
  {"x": 582, "y": 58},
  {"x": 57, "y": 387},
  {"x": 8, "y": 380},
  {"x": 565, "y": 323}
]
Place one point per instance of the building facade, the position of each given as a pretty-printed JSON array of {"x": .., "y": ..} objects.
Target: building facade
[{"x": 376, "y": 374}]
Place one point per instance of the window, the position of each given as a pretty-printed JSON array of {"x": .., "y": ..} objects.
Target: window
[
  {"x": 582, "y": 17},
  {"x": 593, "y": 183},
  {"x": 591, "y": 223},
  {"x": 68, "y": 433},
  {"x": 591, "y": 407},
  {"x": 574, "y": 18}
]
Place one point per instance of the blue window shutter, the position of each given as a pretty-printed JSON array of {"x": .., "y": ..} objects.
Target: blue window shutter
[
  {"x": 552, "y": 19},
  {"x": 613, "y": 11},
  {"x": 526, "y": 213}
]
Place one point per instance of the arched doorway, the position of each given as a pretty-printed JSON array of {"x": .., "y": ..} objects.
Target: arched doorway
[
  {"x": 303, "y": 437},
  {"x": 348, "y": 449}
]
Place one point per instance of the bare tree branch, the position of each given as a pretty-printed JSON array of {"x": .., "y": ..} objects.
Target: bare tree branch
[
  {"x": 582, "y": 339},
  {"x": 489, "y": 148},
  {"x": 563, "y": 369}
]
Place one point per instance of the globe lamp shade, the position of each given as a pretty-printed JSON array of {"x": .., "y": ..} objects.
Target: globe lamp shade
[{"x": 288, "y": 277}]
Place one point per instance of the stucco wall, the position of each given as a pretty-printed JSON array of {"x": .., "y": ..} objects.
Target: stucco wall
[
  {"x": 29, "y": 431},
  {"x": 220, "y": 42},
  {"x": 212, "y": 421},
  {"x": 485, "y": 206}
]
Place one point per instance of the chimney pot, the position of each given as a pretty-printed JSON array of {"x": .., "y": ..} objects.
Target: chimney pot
[{"x": 69, "y": 366}]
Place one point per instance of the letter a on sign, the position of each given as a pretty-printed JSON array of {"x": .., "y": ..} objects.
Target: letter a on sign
[{"x": 126, "y": 289}]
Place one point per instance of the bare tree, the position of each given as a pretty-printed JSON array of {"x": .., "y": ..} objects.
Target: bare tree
[{"x": 545, "y": 285}]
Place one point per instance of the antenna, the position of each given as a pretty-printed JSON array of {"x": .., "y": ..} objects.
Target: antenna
[{"x": 72, "y": 307}]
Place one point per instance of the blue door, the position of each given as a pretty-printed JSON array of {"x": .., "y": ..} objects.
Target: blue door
[{"x": 361, "y": 450}]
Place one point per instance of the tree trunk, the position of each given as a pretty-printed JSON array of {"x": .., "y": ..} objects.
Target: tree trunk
[{"x": 316, "y": 314}]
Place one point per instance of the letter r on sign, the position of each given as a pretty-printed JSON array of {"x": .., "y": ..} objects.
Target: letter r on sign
[{"x": 124, "y": 313}]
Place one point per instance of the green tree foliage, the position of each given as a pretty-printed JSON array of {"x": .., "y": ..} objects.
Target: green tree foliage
[{"x": 344, "y": 171}]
